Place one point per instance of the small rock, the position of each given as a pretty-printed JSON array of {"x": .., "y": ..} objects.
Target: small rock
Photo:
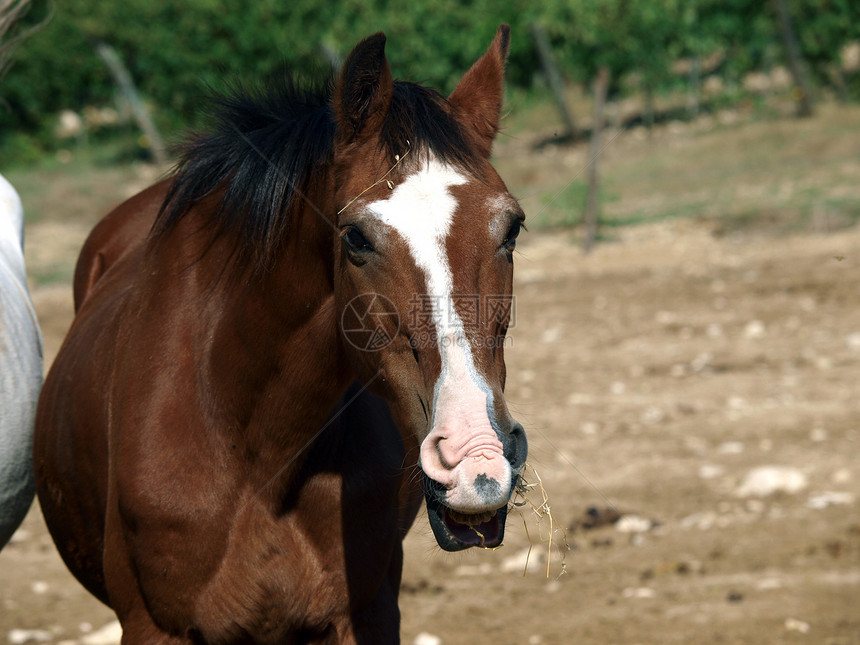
[
  {"x": 735, "y": 596},
  {"x": 853, "y": 341},
  {"x": 473, "y": 569},
  {"x": 633, "y": 524},
  {"x": 21, "y": 535},
  {"x": 617, "y": 388},
  {"x": 710, "y": 471},
  {"x": 704, "y": 520},
  {"x": 794, "y": 625},
  {"x": 714, "y": 330},
  {"x": 427, "y": 639},
  {"x": 702, "y": 362},
  {"x": 841, "y": 476},
  {"x": 823, "y": 363},
  {"x": 652, "y": 415},
  {"x": 807, "y": 303},
  {"x": 551, "y": 335},
  {"x": 767, "y": 480},
  {"x": 730, "y": 448},
  {"x": 829, "y": 498},
  {"x": 21, "y": 636},
  {"x": 524, "y": 561},
  {"x": 666, "y": 317},
  {"x": 580, "y": 398},
  {"x": 754, "y": 506},
  {"x": 766, "y": 584},
  {"x": 589, "y": 428},
  {"x": 39, "y": 587},
  {"x": 818, "y": 434},
  {"x": 638, "y": 592},
  {"x": 755, "y": 329},
  {"x": 737, "y": 403},
  {"x": 110, "y": 634}
]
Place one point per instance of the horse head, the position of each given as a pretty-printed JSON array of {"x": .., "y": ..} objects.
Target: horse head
[{"x": 426, "y": 231}]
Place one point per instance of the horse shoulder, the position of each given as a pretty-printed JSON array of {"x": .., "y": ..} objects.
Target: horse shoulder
[{"x": 121, "y": 231}]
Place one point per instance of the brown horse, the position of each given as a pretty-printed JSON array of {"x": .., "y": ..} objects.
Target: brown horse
[{"x": 270, "y": 343}]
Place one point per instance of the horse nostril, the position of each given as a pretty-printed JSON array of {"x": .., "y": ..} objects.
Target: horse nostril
[{"x": 516, "y": 446}]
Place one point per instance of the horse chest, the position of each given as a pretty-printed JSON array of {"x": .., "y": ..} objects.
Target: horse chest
[
  {"x": 301, "y": 573},
  {"x": 271, "y": 586}
]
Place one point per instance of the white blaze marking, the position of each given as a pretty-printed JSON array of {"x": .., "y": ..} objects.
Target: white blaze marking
[{"x": 421, "y": 210}]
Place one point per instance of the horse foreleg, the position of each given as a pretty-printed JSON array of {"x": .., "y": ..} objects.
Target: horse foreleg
[
  {"x": 126, "y": 598},
  {"x": 378, "y": 621}
]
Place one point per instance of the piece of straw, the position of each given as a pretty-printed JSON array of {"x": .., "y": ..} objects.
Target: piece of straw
[
  {"x": 397, "y": 160},
  {"x": 523, "y": 497}
]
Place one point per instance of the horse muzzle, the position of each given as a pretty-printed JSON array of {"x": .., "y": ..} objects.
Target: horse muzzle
[{"x": 467, "y": 492}]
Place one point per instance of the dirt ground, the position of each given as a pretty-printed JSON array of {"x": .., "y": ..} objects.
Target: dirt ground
[{"x": 653, "y": 377}]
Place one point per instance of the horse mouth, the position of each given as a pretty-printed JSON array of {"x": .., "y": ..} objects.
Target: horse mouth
[{"x": 455, "y": 531}]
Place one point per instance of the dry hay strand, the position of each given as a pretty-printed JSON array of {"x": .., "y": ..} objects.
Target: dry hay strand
[{"x": 531, "y": 494}]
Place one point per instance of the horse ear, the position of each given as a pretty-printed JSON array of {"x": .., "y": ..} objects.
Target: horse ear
[
  {"x": 477, "y": 99},
  {"x": 363, "y": 92}
]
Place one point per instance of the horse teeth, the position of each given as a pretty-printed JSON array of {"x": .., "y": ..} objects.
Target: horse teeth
[{"x": 471, "y": 519}]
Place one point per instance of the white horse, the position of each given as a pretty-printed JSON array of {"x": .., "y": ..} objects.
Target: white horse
[{"x": 20, "y": 368}]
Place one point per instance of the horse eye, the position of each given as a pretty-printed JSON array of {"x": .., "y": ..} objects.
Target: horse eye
[
  {"x": 513, "y": 233},
  {"x": 355, "y": 240}
]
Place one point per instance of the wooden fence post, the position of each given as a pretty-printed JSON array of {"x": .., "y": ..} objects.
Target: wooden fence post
[
  {"x": 122, "y": 77},
  {"x": 592, "y": 205},
  {"x": 553, "y": 77},
  {"x": 694, "y": 86},
  {"x": 795, "y": 59}
]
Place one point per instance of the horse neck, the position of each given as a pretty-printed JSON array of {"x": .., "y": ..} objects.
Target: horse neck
[{"x": 268, "y": 359}]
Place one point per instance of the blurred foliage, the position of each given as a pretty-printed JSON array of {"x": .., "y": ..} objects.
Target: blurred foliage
[{"x": 175, "y": 51}]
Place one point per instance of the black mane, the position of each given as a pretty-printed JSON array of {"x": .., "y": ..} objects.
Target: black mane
[{"x": 264, "y": 146}]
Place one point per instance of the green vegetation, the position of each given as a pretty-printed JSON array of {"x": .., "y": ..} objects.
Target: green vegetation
[
  {"x": 175, "y": 51},
  {"x": 734, "y": 164}
]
